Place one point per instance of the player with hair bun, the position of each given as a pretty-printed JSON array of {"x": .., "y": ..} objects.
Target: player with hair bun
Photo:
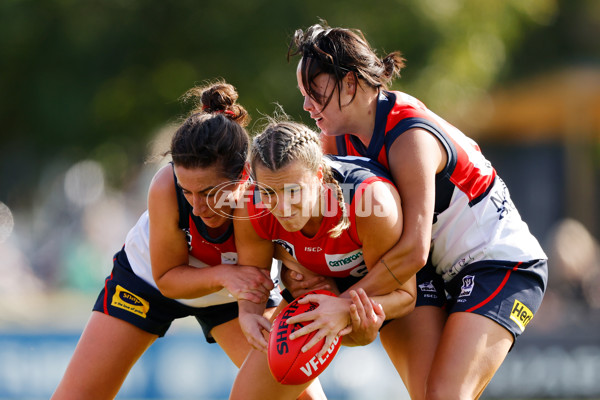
[
  {"x": 330, "y": 216},
  {"x": 180, "y": 258},
  {"x": 481, "y": 275}
]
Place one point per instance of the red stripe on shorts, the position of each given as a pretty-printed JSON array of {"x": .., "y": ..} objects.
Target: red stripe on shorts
[
  {"x": 106, "y": 294},
  {"x": 498, "y": 289}
]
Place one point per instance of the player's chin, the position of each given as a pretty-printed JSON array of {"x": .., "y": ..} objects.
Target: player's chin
[
  {"x": 290, "y": 224},
  {"x": 213, "y": 221}
]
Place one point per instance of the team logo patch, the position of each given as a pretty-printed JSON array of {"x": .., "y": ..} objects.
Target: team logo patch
[
  {"x": 468, "y": 283},
  {"x": 427, "y": 286},
  {"x": 188, "y": 238},
  {"x": 344, "y": 262},
  {"x": 286, "y": 245},
  {"x": 128, "y": 301},
  {"x": 520, "y": 314},
  {"x": 229, "y": 258}
]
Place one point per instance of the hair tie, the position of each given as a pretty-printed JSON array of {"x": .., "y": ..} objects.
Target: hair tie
[{"x": 228, "y": 112}]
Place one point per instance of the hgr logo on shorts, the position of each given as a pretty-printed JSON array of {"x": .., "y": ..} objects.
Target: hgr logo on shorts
[
  {"x": 128, "y": 301},
  {"x": 520, "y": 314}
]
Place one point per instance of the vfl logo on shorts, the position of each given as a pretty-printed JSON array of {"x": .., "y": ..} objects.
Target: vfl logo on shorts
[
  {"x": 520, "y": 314},
  {"x": 128, "y": 301},
  {"x": 468, "y": 283}
]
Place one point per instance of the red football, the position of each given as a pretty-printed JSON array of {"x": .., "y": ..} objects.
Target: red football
[{"x": 288, "y": 364}]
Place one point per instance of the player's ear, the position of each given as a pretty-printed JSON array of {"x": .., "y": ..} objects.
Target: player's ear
[
  {"x": 320, "y": 174},
  {"x": 350, "y": 82}
]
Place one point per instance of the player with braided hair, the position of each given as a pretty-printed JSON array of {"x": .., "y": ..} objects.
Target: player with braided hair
[
  {"x": 330, "y": 216},
  {"x": 180, "y": 258},
  {"x": 283, "y": 139}
]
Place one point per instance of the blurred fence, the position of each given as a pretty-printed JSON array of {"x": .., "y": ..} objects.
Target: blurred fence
[{"x": 183, "y": 366}]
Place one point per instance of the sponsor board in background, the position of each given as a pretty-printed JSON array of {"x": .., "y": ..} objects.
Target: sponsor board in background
[{"x": 182, "y": 366}]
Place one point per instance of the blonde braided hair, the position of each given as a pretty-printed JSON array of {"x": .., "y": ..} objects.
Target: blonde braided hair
[{"x": 285, "y": 141}]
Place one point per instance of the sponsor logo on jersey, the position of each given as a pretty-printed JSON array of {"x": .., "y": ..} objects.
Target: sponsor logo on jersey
[
  {"x": 344, "y": 262},
  {"x": 128, "y": 301},
  {"x": 468, "y": 282},
  {"x": 312, "y": 249},
  {"x": 502, "y": 201},
  {"x": 427, "y": 286},
  {"x": 520, "y": 314},
  {"x": 229, "y": 258},
  {"x": 286, "y": 245}
]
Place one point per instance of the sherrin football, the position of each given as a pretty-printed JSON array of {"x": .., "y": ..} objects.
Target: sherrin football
[{"x": 288, "y": 364}]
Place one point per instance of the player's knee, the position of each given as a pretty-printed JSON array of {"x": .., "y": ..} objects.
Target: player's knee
[{"x": 446, "y": 391}]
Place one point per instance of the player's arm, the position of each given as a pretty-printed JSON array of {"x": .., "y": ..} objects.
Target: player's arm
[
  {"x": 258, "y": 252},
  {"x": 414, "y": 158},
  {"x": 379, "y": 230},
  {"x": 174, "y": 277},
  {"x": 379, "y": 225}
]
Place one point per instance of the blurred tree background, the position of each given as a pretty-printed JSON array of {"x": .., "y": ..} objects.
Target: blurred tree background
[
  {"x": 89, "y": 90},
  {"x": 95, "y": 79},
  {"x": 94, "y": 83}
]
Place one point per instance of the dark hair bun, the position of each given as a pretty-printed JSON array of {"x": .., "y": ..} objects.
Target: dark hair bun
[{"x": 219, "y": 97}]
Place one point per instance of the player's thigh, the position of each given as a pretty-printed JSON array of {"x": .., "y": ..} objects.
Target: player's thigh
[
  {"x": 232, "y": 340},
  {"x": 106, "y": 351},
  {"x": 411, "y": 342},
  {"x": 255, "y": 381},
  {"x": 471, "y": 350}
]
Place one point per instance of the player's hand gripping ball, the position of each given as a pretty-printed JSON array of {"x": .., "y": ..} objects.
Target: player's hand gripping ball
[{"x": 288, "y": 364}]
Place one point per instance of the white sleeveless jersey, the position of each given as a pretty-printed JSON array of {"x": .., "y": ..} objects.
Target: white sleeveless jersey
[
  {"x": 138, "y": 253},
  {"x": 474, "y": 217}
]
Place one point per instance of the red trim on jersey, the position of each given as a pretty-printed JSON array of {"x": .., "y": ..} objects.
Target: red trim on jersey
[
  {"x": 498, "y": 289},
  {"x": 466, "y": 176},
  {"x": 405, "y": 107}
]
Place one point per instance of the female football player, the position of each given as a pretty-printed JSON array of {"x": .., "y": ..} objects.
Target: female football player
[
  {"x": 180, "y": 258},
  {"x": 463, "y": 238},
  {"x": 325, "y": 215}
]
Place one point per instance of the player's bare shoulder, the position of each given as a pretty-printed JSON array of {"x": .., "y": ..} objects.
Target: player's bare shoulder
[{"x": 163, "y": 183}]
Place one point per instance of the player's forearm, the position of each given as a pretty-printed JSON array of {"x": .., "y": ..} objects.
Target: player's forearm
[
  {"x": 394, "y": 269},
  {"x": 188, "y": 282},
  {"x": 249, "y": 307},
  {"x": 396, "y": 304}
]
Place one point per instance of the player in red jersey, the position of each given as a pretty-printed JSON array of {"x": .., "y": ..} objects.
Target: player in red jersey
[
  {"x": 179, "y": 259},
  {"x": 481, "y": 275},
  {"x": 321, "y": 215}
]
